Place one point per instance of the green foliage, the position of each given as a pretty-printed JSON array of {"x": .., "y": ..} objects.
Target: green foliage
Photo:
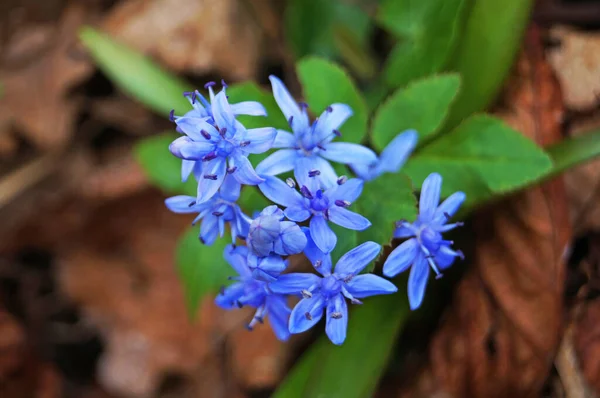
[
  {"x": 422, "y": 106},
  {"x": 162, "y": 168},
  {"x": 251, "y": 200},
  {"x": 353, "y": 369},
  {"x": 427, "y": 31},
  {"x": 250, "y": 91},
  {"x": 135, "y": 74},
  {"x": 202, "y": 269},
  {"x": 325, "y": 83},
  {"x": 573, "y": 151},
  {"x": 347, "y": 240},
  {"x": 481, "y": 156}
]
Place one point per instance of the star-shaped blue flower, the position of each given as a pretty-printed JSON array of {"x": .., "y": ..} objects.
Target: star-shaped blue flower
[
  {"x": 329, "y": 292},
  {"x": 217, "y": 144},
  {"x": 425, "y": 248},
  {"x": 393, "y": 156},
  {"x": 252, "y": 292},
  {"x": 318, "y": 205},
  {"x": 220, "y": 210},
  {"x": 310, "y": 146}
]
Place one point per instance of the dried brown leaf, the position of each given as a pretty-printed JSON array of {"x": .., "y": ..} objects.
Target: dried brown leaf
[{"x": 503, "y": 329}]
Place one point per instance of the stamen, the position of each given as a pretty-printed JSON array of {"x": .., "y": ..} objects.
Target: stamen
[
  {"x": 209, "y": 156},
  {"x": 223, "y": 131},
  {"x": 231, "y": 170},
  {"x": 336, "y": 315},
  {"x": 342, "y": 180},
  {"x": 439, "y": 276},
  {"x": 290, "y": 182},
  {"x": 306, "y": 294},
  {"x": 218, "y": 213},
  {"x": 337, "y": 133},
  {"x": 172, "y": 115},
  {"x": 460, "y": 254},
  {"x": 318, "y": 263},
  {"x": 303, "y": 105},
  {"x": 205, "y": 134},
  {"x": 222, "y": 291},
  {"x": 356, "y": 301},
  {"x": 202, "y": 240},
  {"x": 187, "y": 93},
  {"x": 259, "y": 319},
  {"x": 244, "y": 143},
  {"x": 239, "y": 304},
  {"x": 304, "y": 191},
  {"x": 308, "y": 316},
  {"x": 210, "y": 177},
  {"x": 329, "y": 109},
  {"x": 209, "y": 84},
  {"x": 224, "y": 84},
  {"x": 319, "y": 194},
  {"x": 193, "y": 98},
  {"x": 249, "y": 327},
  {"x": 192, "y": 204},
  {"x": 321, "y": 147},
  {"x": 348, "y": 278},
  {"x": 314, "y": 173},
  {"x": 342, "y": 203},
  {"x": 290, "y": 120}
]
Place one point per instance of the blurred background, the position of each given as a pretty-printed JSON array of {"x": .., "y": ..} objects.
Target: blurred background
[{"x": 90, "y": 302}]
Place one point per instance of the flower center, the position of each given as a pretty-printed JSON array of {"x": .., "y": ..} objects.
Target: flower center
[
  {"x": 429, "y": 238},
  {"x": 320, "y": 202},
  {"x": 330, "y": 286},
  {"x": 224, "y": 148}
]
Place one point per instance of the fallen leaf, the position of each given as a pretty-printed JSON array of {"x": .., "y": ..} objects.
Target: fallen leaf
[
  {"x": 198, "y": 36},
  {"x": 504, "y": 326},
  {"x": 576, "y": 62}
]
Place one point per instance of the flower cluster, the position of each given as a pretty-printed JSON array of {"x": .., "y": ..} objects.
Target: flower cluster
[{"x": 214, "y": 147}]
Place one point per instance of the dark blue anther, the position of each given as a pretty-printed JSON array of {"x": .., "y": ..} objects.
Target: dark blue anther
[
  {"x": 209, "y": 84},
  {"x": 223, "y": 83},
  {"x": 210, "y": 177},
  {"x": 172, "y": 115},
  {"x": 337, "y": 133},
  {"x": 314, "y": 173},
  {"x": 306, "y": 192},
  {"x": 342, "y": 180},
  {"x": 231, "y": 170},
  {"x": 342, "y": 203},
  {"x": 205, "y": 134}
]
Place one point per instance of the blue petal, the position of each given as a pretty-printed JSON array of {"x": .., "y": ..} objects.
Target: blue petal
[
  {"x": 321, "y": 234},
  {"x": 291, "y": 240},
  {"x": 236, "y": 257},
  {"x": 316, "y": 256},
  {"x": 349, "y": 191},
  {"x": 209, "y": 229},
  {"x": 357, "y": 259},
  {"x": 397, "y": 151},
  {"x": 208, "y": 187},
  {"x": 244, "y": 172},
  {"x": 251, "y": 108},
  {"x": 185, "y": 148},
  {"x": 328, "y": 176},
  {"x": 186, "y": 168},
  {"x": 230, "y": 190},
  {"x": 417, "y": 281},
  {"x": 430, "y": 196},
  {"x": 362, "y": 286},
  {"x": 304, "y": 164},
  {"x": 193, "y": 127},
  {"x": 288, "y": 105},
  {"x": 228, "y": 299},
  {"x": 329, "y": 121},
  {"x": 181, "y": 204},
  {"x": 297, "y": 213},
  {"x": 271, "y": 264},
  {"x": 445, "y": 257},
  {"x": 294, "y": 283},
  {"x": 261, "y": 139},
  {"x": 336, "y": 326},
  {"x": 278, "y": 162},
  {"x": 348, "y": 153},
  {"x": 407, "y": 230},
  {"x": 347, "y": 219},
  {"x": 262, "y": 234},
  {"x": 299, "y": 321},
  {"x": 449, "y": 206},
  {"x": 278, "y": 315},
  {"x": 279, "y": 192},
  {"x": 273, "y": 210},
  {"x": 222, "y": 112},
  {"x": 401, "y": 258},
  {"x": 284, "y": 140}
]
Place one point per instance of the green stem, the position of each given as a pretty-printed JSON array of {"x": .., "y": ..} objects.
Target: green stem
[{"x": 573, "y": 151}]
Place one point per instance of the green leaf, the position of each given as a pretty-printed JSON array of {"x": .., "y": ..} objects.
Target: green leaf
[
  {"x": 249, "y": 91},
  {"x": 325, "y": 83},
  {"x": 480, "y": 157},
  {"x": 573, "y": 151},
  {"x": 162, "y": 168},
  {"x": 135, "y": 74},
  {"x": 353, "y": 369},
  {"x": 251, "y": 200},
  {"x": 427, "y": 31},
  {"x": 421, "y": 106},
  {"x": 492, "y": 36},
  {"x": 347, "y": 240},
  {"x": 202, "y": 269},
  {"x": 384, "y": 201}
]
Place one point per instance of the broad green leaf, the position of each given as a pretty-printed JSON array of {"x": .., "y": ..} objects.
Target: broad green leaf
[
  {"x": 353, "y": 369},
  {"x": 422, "y": 106},
  {"x": 384, "y": 201},
  {"x": 427, "y": 32},
  {"x": 202, "y": 269},
  {"x": 311, "y": 26},
  {"x": 488, "y": 47},
  {"x": 480, "y": 157},
  {"x": 162, "y": 168},
  {"x": 325, "y": 83},
  {"x": 573, "y": 151},
  {"x": 136, "y": 74}
]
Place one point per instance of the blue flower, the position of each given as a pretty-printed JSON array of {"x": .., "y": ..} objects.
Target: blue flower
[
  {"x": 318, "y": 205},
  {"x": 248, "y": 291},
  {"x": 328, "y": 292},
  {"x": 215, "y": 213},
  {"x": 393, "y": 156},
  {"x": 426, "y": 248},
  {"x": 269, "y": 233},
  {"x": 310, "y": 146},
  {"x": 218, "y": 144}
]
